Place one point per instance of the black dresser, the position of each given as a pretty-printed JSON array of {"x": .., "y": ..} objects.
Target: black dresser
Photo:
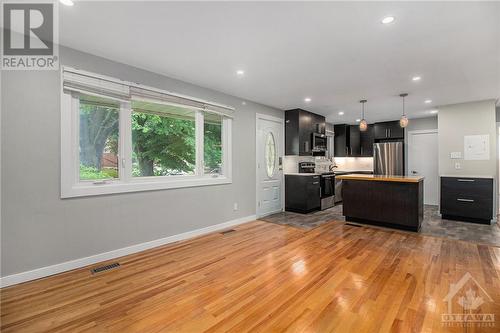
[{"x": 467, "y": 199}]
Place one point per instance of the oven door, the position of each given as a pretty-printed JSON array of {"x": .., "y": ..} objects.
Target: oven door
[{"x": 327, "y": 186}]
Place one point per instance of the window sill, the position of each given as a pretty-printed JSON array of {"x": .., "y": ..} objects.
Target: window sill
[{"x": 139, "y": 185}]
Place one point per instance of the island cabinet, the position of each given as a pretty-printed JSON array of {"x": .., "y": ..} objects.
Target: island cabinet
[
  {"x": 299, "y": 128},
  {"x": 391, "y": 201}
]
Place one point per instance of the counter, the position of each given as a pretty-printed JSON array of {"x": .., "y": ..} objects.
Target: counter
[
  {"x": 391, "y": 201},
  {"x": 381, "y": 178}
]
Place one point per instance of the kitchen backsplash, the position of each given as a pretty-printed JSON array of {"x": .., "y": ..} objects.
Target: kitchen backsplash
[{"x": 291, "y": 163}]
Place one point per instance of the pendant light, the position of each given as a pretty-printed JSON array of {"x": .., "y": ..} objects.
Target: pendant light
[
  {"x": 403, "y": 122},
  {"x": 363, "y": 125}
]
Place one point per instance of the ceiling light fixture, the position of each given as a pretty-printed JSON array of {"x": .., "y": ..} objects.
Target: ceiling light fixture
[
  {"x": 416, "y": 78},
  {"x": 240, "y": 72},
  {"x": 388, "y": 19},
  {"x": 307, "y": 99},
  {"x": 358, "y": 120},
  {"x": 403, "y": 122},
  {"x": 341, "y": 113},
  {"x": 363, "y": 125},
  {"x": 428, "y": 101},
  {"x": 67, "y": 2},
  {"x": 433, "y": 111}
]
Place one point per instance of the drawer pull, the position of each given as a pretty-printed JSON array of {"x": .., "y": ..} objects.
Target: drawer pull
[
  {"x": 465, "y": 200},
  {"x": 466, "y": 180},
  {"x": 315, "y": 183}
]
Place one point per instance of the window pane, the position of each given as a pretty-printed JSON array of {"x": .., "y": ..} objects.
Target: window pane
[
  {"x": 99, "y": 123},
  {"x": 163, "y": 140},
  {"x": 212, "y": 143},
  {"x": 270, "y": 154}
]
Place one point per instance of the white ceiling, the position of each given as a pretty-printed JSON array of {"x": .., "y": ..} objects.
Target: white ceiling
[{"x": 333, "y": 52}]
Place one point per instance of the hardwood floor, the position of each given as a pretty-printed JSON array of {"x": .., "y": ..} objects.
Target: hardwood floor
[{"x": 268, "y": 278}]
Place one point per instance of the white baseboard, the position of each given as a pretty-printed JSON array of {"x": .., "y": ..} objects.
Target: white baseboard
[{"x": 82, "y": 262}]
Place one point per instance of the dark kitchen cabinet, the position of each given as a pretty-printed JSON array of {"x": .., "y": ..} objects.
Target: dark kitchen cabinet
[
  {"x": 319, "y": 124},
  {"x": 299, "y": 128},
  {"x": 354, "y": 141},
  {"x": 351, "y": 142},
  {"x": 467, "y": 199},
  {"x": 302, "y": 193},
  {"x": 389, "y": 130},
  {"x": 341, "y": 140},
  {"x": 367, "y": 139}
]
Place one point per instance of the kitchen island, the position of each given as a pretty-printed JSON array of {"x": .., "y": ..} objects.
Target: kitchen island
[{"x": 390, "y": 201}]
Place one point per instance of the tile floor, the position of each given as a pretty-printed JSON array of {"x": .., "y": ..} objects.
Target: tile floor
[{"x": 432, "y": 224}]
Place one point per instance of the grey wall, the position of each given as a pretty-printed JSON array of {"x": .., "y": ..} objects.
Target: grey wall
[
  {"x": 39, "y": 229},
  {"x": 458, "y": 120}
]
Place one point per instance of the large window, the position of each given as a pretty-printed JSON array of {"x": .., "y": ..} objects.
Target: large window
[{"x": 115, "y": 138}]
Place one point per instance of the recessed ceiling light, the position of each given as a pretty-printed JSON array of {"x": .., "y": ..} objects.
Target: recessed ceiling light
[
  {"x": 243, "y": 103},
  {"x": 358, "y": 120},
  {"x": 388, "y": 19},
  {"x": 428, "y": 101},
  {"x": 240, "y": 72},
  {"x": 67, "y": 2},
  {"x": 307, "y": 99},
  {"x": 341, "y": 113},
  {"x": 433, "y": 111},
  {"x": 416, "y": 78}
]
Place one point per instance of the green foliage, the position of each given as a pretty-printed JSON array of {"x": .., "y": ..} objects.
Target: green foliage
[
  {"x": 91, "y": 173},
  {"x": 213, "y": 147},
  {"x": 162, "y": 145}
]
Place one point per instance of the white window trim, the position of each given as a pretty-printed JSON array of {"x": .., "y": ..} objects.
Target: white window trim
[{"x": 71, "y": 186}]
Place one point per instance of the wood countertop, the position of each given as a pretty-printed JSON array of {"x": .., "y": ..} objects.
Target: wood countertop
[{"x": 381, "y": 178}]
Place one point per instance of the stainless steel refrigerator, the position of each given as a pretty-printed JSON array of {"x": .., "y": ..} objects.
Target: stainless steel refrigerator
[{"x": 388, "y": 158}]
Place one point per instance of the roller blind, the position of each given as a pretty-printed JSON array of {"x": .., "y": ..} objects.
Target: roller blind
[{"x": 88, "y": 83}]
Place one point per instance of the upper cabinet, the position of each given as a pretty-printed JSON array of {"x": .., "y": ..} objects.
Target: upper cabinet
[
  {"x": 367, "y": 140},
  {"x": 342, "y": 139},
  {"x": 299, "y": 128},
  {"x": 389, "y": 130},
  {"x": 351, "y": 142}
]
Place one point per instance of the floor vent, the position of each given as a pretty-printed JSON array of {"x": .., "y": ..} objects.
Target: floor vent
[
  {"x": 353, "y": 225},
  {"x": 104, "y": 268},
  {"x": 227, "y": 231}
]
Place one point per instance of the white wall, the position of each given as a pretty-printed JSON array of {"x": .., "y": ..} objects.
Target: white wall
[{"x": 39, "y": 229}]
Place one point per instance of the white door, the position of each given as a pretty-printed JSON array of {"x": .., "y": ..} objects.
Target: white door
[
  {"x": 423, "y": 161},
  {"x": 269, "y": 151}
]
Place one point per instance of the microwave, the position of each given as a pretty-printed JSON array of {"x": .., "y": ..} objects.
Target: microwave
[{"x": 318, "y": 142}]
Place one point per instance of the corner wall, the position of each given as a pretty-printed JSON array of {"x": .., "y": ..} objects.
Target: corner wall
[{"x": 39, "y": 229}]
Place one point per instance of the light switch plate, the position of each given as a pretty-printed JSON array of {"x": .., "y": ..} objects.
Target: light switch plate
[
  {"x": 456, "y": 155},
  {"x": 458, "y": 166}
]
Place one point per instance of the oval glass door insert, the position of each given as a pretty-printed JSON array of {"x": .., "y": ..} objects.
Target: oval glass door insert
[{"x": 270, "y": 154}]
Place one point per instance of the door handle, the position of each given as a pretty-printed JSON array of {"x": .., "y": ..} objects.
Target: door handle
[
  {"x": 315, "y": 183},
  {"x": 466, "y": 180},
  {"x": 465, "y": 200}
]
